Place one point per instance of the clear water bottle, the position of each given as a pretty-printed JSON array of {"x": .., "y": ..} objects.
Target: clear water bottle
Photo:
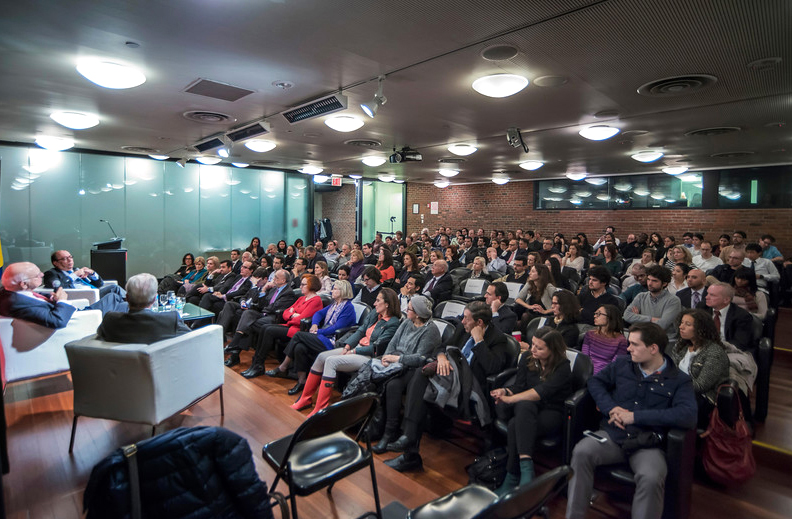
[{"x": 171, "y": 299}]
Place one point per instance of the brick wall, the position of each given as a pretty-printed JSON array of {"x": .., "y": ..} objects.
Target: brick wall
[
  {"x": 339, "y": 206},
  {"x": 511, "y": 206}
]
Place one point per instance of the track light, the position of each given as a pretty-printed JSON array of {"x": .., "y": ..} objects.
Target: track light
[
  {"x": 371, "y": 107},
  {"x": 181, "y": 162}
]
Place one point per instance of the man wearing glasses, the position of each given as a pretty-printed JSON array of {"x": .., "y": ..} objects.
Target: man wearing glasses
[
  {"x": 64, "y": 275},
  {"x": 216, "y": 299}
]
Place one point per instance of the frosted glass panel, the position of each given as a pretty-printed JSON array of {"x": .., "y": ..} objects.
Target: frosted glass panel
[
  {"x": 367, "y": 212},
  {"x": 245, "y": 196},
  {"x": 181, "y": 214},
  {"x": 215, "y": 207},
  {"x": 145, "y": 201},
  {"x": 297, "y": 209},
  {"x": 381, "y": 202},
  {"x": 273, "y": 214}
]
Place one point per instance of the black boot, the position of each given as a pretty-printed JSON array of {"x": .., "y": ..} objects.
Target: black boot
[
  {"x": 406, "y": 462},
  {"x": 391, "y": 433},
  {"x": 233, "y": 360}
]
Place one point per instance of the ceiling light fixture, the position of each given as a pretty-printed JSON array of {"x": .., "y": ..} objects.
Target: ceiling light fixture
[
  {"x": 373, "y": 106},
  {"x": 500, "y": 85},
  {"x": 597, "y": 181},
  {"x": 54, "y": 143},
  {"x": 374, "y": 160},
  {"x": 260, "y": 145},
  {"x": 462, "y": 150},
  {"x": 158, "y": 157},
  {"x": 531, "y": 165},
  {"x": 442, "y": 184},
  {"x": 449, "y": 172},
  {"x": 310, "y": 170},
  {"x": 208, "y": 160},
  {"x": 387, "y": 178},
  {"x": 344, "y": 123},
  {"x": 599, "y": 132},
  {"x": 576, "y": 175},
  {"x": 240, "y": 164},
  {"x": 622, "y": 186},
  {"x": 182, "y": 163},
  {"x": 320, "y": 179},
  {"x": 399, "y": 181},
  {"x": 500, "y": 179},
  {"x": 675, "y": 170},
  {"x": 641, "y": 191},
  {"x": 647, "y": 156},
  {"x": 111, "y": 75},
  {"x": 557, "y": 189},
  {"x": 223, "y": 152},
  {"x": 356, "y": 177},
  {"x": 75, "y": 120}
]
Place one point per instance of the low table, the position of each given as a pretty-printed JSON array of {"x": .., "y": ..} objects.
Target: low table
[{"x": 191, "y": 312}]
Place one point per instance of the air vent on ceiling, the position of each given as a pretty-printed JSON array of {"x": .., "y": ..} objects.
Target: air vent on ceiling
[
  {"x": 265, "y": 163},
  {"x": 677, "y": 86},
  {"x": 317, "y": 108},
  {"x": 711, "y": 132},
  {"x": 732, "y": 155},
  {"x": 249, "y": 131},
  {"x": 499, "y": 52},
  {"x": 206, "y": 117},
  {"x": 217, "y": 90},
  {"x": 139, "y": 149},
  {"x": 212, "y": 142},
  {"x": 451, "y": 160},
  {"x": 364, "y": 143}
]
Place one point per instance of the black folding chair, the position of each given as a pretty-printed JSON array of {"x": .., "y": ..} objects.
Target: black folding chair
[{"x": 319, "y": 453}]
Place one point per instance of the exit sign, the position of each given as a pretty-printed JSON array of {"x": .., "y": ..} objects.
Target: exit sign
[{"x": 336, "y": 181}]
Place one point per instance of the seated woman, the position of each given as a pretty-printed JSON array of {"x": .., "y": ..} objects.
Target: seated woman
[
  {"x": 452, "y": 257},
  {"x": 305, "y": 307},
  {"x": 478, "y": 269},
  {"x": 746, "y": 293},
  {"x": 573, "y": 259},
  {"x": 409, "y": 266},
  {"x": 433, "y": 256},
  {"x": 255, "y": 248},
  {"x": 187, "y": 266},
  {"x": 413, "y": 342},
  {"x": 607, "y": 340},
  {"x": 536, "y": 296},
  {"x": 534, "y": 404},
  {"x": 173, "y": 281},
  {"x": 677, "y": 254},
  {"x": 370, "y": 339},
  {"x": 356, "y": 265},
  {"x": 700, "y": 353},
  {"x": 554, "y": 264},
  {"x": 385, "y": 264},
  {"x": 678, "y": 278},
  {"x": 305, "y": 346},
  {"x": 281, "y": 247},
  {"x": 195, "y": 276},
  {"x": 610, "y": 254},
  {"x": 288, "y": 259},
  {"x": 320, "y": 269},
  {"x": 566, "y": 312},
  {"x": 264, "y": 262}
]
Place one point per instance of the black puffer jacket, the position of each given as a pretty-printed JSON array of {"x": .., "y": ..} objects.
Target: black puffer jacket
[{"x": 195, "y": 473}]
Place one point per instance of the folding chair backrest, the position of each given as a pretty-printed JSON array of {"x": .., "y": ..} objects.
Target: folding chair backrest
[
  {"x": 448, "y": 309},
  {"x": 338, "y": 417},
  {"x": 474, "y": 287},
  {"x": 445, "y": 328},
  {"x": 527, "y": 500}
]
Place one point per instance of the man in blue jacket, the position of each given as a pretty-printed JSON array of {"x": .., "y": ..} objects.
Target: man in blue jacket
[{"x": 641, "y": 393}]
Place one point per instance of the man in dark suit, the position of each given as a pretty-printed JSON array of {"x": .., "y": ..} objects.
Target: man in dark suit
[
  {"x": 312, "y": 255},
  {"x": 503, "y": 317},
  {"x": 696, "y": 292},
  {"x": 140, "y": 324},
  {"x": 18, "y": 299},
  {"x": 64, "y": 275},
  {"x": 216, "y": 278},
  {"x": 299, "y": 268},
  {"x": 236, "y": 262},
  {"x": 438, "y": 284},
  {"x": 234, "y": 288},
  {"x": 232, "y": 310},
  {"x": 261, "y": 313},
  {"x": 734, "y": 323},
  {"x": 483, "y": 346}
]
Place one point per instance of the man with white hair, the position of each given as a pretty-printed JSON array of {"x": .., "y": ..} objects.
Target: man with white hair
[{"x": 141, "y": 324}]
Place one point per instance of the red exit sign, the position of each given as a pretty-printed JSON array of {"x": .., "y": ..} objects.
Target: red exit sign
[{"x": 336, "y": 181}]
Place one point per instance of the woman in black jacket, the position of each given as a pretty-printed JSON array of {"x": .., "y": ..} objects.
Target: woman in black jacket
[
  {"x": 566, "y": 314},
  {"x": 534, "y": 404}
]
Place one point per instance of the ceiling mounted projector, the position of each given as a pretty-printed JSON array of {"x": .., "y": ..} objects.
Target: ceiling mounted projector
[{"x": 405, "y": 155}]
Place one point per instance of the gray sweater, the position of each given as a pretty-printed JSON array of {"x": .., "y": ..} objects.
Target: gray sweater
[
  {"x": 412, "y": 343},
  {"x": 666, "y": 309}
]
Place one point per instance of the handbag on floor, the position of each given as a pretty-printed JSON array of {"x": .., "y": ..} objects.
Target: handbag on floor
[{"x": 728, "y": 452}]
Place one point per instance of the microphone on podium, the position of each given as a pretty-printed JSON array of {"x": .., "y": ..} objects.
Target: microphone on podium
[{"x": 111, "y": 227}]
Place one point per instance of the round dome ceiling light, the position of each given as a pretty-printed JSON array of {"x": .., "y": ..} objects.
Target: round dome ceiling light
[
  {"x": 356, "y": 177},
  {"x": 208, "y": 160},
  {"x": 311, "y": 170},
  {"x": 641, "y": 191},
  {"x": 582, "y": 194},
  {"x": 108, "y": 74},
  {"x": 320, "y": 179},
  {"x": 344, "y": 123},
  {"x": 500, "y": 179},
  {"x": 622, "y": 186},
  {"x": 597, "y": 181},
  {"x": 158, "y": 157},
  {"x": 462, "y": 150},
  {"x": 240, "y": 164},
  {"x": 576, "y": 175},
  {"x": 675, "y": 170},
  {"x": 442, "y": 184},
  {"x": 260, "y": 145},
  {"x": 75, "y": 120},
  {"x": 500, "y": 85},
  {"x": 531, "y": 165},
  {"x": 449, "y": 172},
  {"x": 557, "y": 189},
  {"x": 387, "y": 178},
  {"x": 54, "y": 143},
  {"x": 647, "y": 156},
  {"x": 374, "y": 160},
  {"x": 599, "y": 132}
]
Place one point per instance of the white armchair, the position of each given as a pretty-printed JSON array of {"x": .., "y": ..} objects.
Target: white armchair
[
  {"x": 145, "y": 383},
  {"x": 31, "y": 350},
  {"x": 91, "y": 294}
]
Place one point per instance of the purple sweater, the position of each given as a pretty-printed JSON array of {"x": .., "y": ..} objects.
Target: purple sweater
[{"x": 603, "y": 350}]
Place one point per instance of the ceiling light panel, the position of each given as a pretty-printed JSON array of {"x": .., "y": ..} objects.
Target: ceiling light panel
[
  {"x": 462, "y": 150},
  {"x": 500, "y": 85},
  {"x": 260, "y": 145},
  {"x": 54, "y": 143},
  {"x": 647, "y": 156},
  {"x": 374, "y": 160},
  {"x": 598, "y": 132},
  {"x": 75, "y": 120},
  {"x": 344, "y": 123},
  {"x": 449, "y": 172},
  {"x": 109, "y": 74},
  {"x": 310, "y": 170},
  {"x": 531, "y": 165}
]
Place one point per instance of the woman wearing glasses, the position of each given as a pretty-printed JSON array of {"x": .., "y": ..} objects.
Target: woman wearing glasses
[{"x": 607, "y": 341}]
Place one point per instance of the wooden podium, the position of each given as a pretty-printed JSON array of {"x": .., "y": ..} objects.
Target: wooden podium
[{"x": 109, "y": 260}]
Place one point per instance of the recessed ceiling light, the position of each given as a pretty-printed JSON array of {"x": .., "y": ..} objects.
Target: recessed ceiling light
[
  {"x": 75, "y": 120},
  {"x": 603, "y": 196},
  {"x": 442, "y": 184},
  {"x": 597, "y": 181},
  {"x": 223, "y": 152},
  {"x": 344, "y": 123},
  {"x": 531, "y": 165},
  {"x": 374, "y": 160},
  {"x": 576, "y": 175},
  {"x": 260, "y": 145},
  {"x": 208, "y": 159},
  {"x": 462, "y": 149},
  {"x": 500, "y": 85},
  {"x": 675, "y": 170},
  {"x": 647, "y": 156},
  {"x": 387, "y": 178},
  {"x": 240, "y": 164},
  {"x": 311, "y": 170},
  {"x": 158, "y": 157},
  {"x": 599, "y": 132},
  {"x": 582, "y": 194},
  {"x": 641, "y": 191},
  {"x": 54, "y": 143},
  {"x": 500, "y": 179},
  {"x": 575, "y": 201},
  {"x": 111, "y": 75},
  {"x": 553, "y": 198},
  {"x": 399, "y": 181},
  {"x": 657, "y": 196},
  {"x": 557, "y": 189},
  {"x": 320, "y": 179},
  {"x": 449, "y": 172},
  {"x": 622, "y": 186},
  {"x": 670, "y": 200},
  {"x": 356, "y": 177}
]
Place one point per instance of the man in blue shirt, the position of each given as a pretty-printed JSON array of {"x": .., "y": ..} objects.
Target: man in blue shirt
[{"x": 64, "y": 275}]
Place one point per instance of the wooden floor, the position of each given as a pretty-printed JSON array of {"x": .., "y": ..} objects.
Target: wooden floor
[{"x": 46, "y": 482}]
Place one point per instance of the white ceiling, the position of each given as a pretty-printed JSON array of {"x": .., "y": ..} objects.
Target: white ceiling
[{"x": 430, "y": 52}]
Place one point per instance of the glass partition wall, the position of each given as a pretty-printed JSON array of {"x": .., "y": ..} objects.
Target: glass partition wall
[
  {"x": 382, "y": 209},
  {"x": 52, "y": 201}
]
